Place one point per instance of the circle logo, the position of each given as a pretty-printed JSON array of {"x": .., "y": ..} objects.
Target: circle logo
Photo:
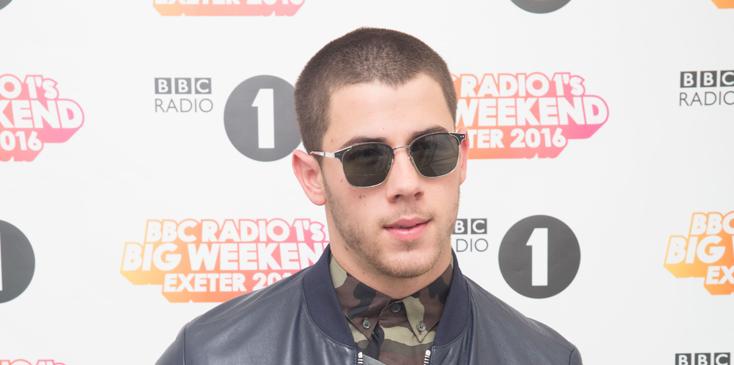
[
  {"x": 540, "y": 6},
  {"x": 17, "y": 262},
  {"x": 260, "y": 118},
  {"x": 4, "y": 3},
  {"x": 539, "y": 256}
]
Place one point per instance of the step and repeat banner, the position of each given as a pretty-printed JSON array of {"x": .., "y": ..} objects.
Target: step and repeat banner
[{"x": 145, "y": 166}]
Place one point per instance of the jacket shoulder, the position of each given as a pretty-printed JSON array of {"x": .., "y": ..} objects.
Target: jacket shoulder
[
  {"x": 520, "y": 337},
  {"x": 285, "y": 292},
  {"x": 241, "y": 320}
]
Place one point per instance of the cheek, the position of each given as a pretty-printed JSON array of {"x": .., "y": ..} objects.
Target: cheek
[
  {"x": 334, "y": 171},
  {"x": 356, "y": 202},
  {"x": 364, "y": 208},
  {"x": 447, "y": 195}
]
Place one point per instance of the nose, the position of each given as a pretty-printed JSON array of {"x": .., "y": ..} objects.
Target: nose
[{"x": 403, "y": 182}]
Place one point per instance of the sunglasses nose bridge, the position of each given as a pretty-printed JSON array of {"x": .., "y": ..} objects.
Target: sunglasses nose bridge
[
  {"x": 409, "y": 156},
  {"x": 407, "y": 150},
  {"x": 394, "y": 149}
]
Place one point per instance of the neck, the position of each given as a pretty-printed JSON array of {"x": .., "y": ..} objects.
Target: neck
[{"x": 393, "y": 286}]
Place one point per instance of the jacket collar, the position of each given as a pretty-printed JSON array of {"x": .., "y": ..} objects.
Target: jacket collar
[{"x": 323, "y": 305}]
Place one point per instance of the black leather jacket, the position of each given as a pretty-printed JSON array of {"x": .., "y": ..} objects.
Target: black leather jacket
[{"x": 298, "y": 321}]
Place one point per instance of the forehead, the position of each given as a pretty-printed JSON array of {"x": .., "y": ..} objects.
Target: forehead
[{"x": 377, "y": 111}]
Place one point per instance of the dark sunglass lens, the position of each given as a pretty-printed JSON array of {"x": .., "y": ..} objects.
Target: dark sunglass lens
[
  {"x": 435, "y": 154},
  {"x": 367, "y": 164}
]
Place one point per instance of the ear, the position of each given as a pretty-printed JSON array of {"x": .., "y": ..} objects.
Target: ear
[
  {"x": 308, "y": 173},
  {"x": 464, "y": 150}
]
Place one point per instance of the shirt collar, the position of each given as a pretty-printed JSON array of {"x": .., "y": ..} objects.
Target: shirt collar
[{"x": 364, "y": 307}]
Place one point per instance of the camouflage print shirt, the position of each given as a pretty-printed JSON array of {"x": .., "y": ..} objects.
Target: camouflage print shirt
[{"x": 393, "y": 331}]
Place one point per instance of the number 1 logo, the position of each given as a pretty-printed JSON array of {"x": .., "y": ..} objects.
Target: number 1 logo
[
  {"x": 539, "y": 256},
  {"x": 17, "y": 262},
  {"x": 260, "y": 118}
]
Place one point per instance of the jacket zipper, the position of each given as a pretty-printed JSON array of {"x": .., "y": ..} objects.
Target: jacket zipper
[{"x": 426, "y": 358}]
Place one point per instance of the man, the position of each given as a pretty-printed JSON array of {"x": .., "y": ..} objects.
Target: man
[{"x": 376, "y": 110}]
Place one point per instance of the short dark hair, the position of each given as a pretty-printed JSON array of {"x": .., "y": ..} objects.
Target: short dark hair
[{"x": 363, "y": 55}]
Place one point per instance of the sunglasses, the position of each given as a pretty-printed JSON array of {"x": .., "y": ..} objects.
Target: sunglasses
[{"x": 367, "y": 164}]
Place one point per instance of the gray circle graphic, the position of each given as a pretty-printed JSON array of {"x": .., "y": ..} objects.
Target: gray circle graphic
[
  {"x": 539, "y": 256},
  {"x": 260, "y": 118},
  {"x": 4, "y": 3},
  {"x": 17, "y": 262},
  {"x": 540, "y": 6}
]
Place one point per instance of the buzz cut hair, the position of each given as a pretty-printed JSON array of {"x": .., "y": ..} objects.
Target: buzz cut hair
[{"x": 361, "y": 56}]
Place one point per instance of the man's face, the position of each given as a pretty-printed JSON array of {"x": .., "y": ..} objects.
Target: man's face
[{"x": 402, "y": 227}]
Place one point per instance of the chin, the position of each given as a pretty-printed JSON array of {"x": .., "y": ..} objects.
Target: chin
[{"x": 409, "y": 264}]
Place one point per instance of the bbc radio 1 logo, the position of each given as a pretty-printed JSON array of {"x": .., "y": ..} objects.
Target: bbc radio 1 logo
[
  {"x": 205, "y": 260},
  {"x": 227, "y": 7},
  {"x": 703, "y": 358},
  {"x": 183, "y": 95},
  {"x": 706, "y": 252},
  {"x": 706, "y": 88},
  {"x": 470, "y": 235},
  {"x": 526, "y": 115},
  {"x": 17, "y": 262},
  {"x": 30, "y": 362},
  {"x": 260, "y": 118},
  {"x": 539, "y": 256},
  {"x": 32, "y": 114}
]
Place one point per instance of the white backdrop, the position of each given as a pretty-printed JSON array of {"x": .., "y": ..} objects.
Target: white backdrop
[{"x": 623, "y": 191}]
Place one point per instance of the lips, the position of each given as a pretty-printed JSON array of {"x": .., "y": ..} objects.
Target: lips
[
  {"x": 403, "y": 223},
  {"x": 407, "y": 229}
]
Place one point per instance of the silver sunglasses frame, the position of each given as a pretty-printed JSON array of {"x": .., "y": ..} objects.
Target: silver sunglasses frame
[{"x": 340, "y": 153}]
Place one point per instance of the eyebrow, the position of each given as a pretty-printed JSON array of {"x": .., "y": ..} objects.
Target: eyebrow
[{"x": 364, "y": 139}]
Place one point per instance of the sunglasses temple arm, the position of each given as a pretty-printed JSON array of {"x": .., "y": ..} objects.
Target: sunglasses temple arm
[{"x": 323, "y": 154}]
